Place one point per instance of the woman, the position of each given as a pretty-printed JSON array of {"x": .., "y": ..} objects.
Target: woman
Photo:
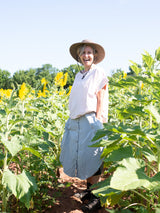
[{"x": 88, "y": 105}]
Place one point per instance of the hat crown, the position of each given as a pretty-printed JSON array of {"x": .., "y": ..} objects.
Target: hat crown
[{"x": 87, "y": 41}]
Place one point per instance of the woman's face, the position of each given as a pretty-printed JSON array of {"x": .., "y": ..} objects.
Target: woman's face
[{"x": 87, "y": 57}]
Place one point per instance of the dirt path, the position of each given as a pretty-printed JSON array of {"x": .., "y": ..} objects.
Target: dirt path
[{"x": 67, "y": 203}]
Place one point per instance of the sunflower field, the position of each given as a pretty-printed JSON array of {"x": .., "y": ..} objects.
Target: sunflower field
[
  {"x": 32, "y": 125},
  {"x": 31, "y": 128},
  {"x": 132, "y": 150}
]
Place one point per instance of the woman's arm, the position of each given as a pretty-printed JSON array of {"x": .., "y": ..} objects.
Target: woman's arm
[{"x": 100, "y": 100}]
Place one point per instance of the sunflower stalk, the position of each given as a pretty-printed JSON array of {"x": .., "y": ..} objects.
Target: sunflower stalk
[{"x": 5, "y": 166}]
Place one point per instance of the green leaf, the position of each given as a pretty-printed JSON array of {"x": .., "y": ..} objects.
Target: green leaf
[
  {"x": 2, "y": 112},
  {"x": 113, "y": 146},
  {"x": 147, "y": 60},
  {"x": 135, "y": 67},
  {"x": 101, "y": 143},
  {"x": 157, "y": 54},
  {"x": 31, "y": 109},
  {"x": 154, "y": 183},
  {"x": 114, "y": 198},
  {"x": 13, "y": 145},
  {"x": 154, "y": 111},
  {"x": 100, "y": 134},
  {"x": 149, "y": 155},
  {"x": 104, "y": 188},
  {"x": 22, "y": 186},
  {"x": 130, "y": 175},
  {"x": 2, "y": 157},
  {"x": 15, "y": 121},
  {"x": 134, "y": 110},
  {"x": 33, "y": 151},
  {"x": 119, "y": 154},
  {"x": 155, "y": 85},
  {"x": 143, "y": 79}
]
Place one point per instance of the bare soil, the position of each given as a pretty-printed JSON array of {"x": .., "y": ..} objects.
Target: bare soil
[{"x": 67, "y": 202}]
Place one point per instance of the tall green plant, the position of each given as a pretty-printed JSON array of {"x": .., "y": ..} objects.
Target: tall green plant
[
  {"x": 31, "y": 129},
  {"x": 22, "y": 185},
  {"x": 132, "y": 150}
]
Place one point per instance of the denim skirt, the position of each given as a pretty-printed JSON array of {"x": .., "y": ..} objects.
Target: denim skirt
[{"x": 77, "y": 158}]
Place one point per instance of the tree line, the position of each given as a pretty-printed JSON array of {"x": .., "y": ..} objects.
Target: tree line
[{"x": 33, "y": 77}]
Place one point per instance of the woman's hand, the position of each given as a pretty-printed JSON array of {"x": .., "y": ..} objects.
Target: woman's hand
[{"x": 100, "y": 100}]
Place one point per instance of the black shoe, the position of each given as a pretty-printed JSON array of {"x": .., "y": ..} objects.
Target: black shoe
[
  {"x": 85, "y": 195},
  {"x": 92, "y": 205}
]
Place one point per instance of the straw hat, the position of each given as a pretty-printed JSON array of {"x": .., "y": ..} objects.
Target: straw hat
[{"x": 100, "y": 53}]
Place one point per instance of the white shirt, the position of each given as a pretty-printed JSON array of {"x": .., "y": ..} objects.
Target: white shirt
[{"x": 83, "y": 96}]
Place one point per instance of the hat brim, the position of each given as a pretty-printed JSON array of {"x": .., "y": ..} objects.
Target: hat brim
[{"x": 99, "y": 55}]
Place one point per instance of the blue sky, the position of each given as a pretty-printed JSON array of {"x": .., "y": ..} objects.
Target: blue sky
[{"x": 37, "y": 32}]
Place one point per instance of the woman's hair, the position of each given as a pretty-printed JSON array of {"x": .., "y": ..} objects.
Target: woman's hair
[{"x": 81, "y": 48}]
